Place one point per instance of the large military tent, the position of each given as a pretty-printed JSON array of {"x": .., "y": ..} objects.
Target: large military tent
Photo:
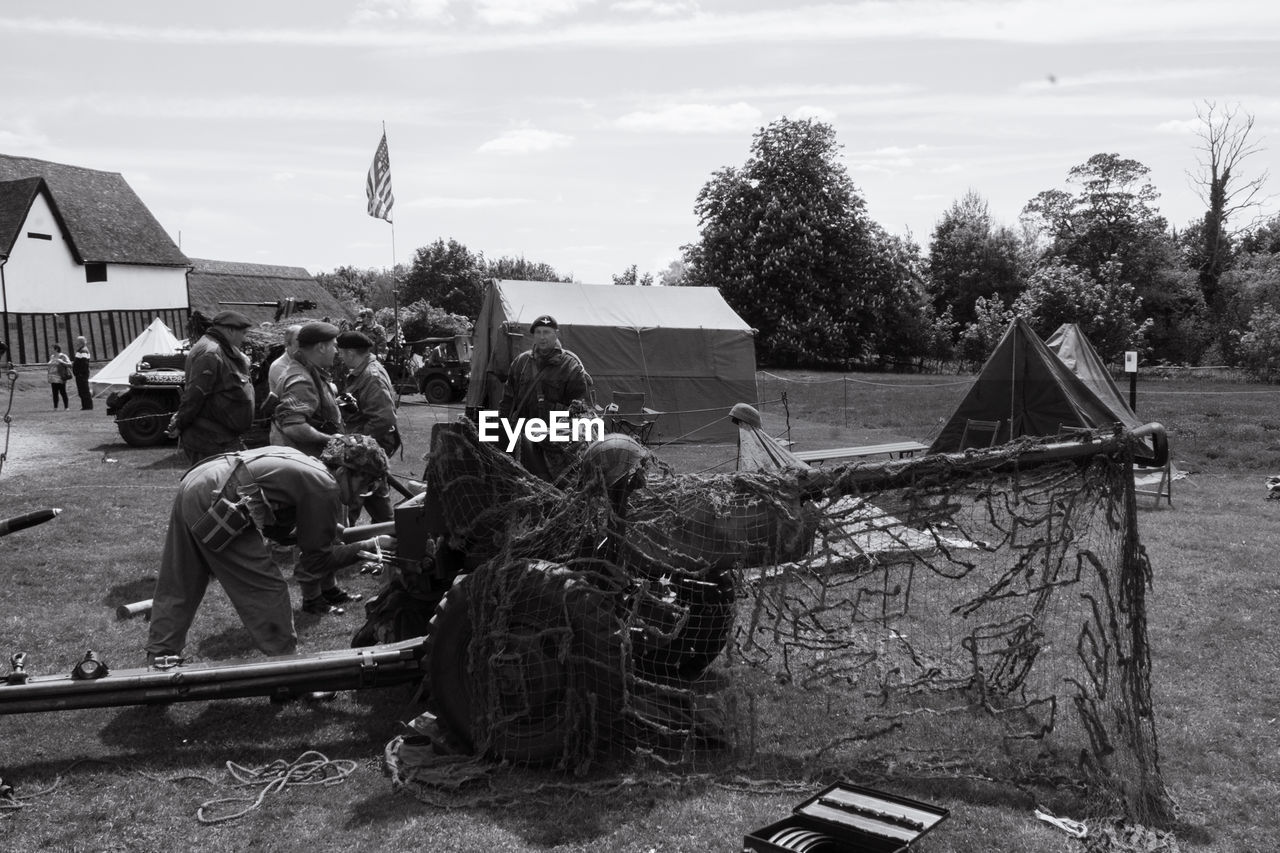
[
  {"x": 684, "y": 348},
  {"x": 1031, "y": 391}
]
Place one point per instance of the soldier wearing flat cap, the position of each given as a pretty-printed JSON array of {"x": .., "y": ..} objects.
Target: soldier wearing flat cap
[
  {"x": 216, "y": 408},
  {"x": 373, "y": 412},
  {"x": 307, "y": 415},
  {"x": 544, "y": 379}
]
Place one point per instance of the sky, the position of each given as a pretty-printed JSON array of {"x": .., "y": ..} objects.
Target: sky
[{"x": 578, "y": 133}]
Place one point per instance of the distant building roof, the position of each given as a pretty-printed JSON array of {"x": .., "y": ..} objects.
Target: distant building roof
[
  {"x": 106, "y": 222},
  {"x": 15, "y": 202},
  {"x": 214, "y": 284}
]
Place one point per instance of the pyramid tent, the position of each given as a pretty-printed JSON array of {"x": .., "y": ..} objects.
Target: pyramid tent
[
  {"x": 155, "y": 338},
  {"x": 1030, "y": 391},
  {"x": 1074, "y": 350},
  {"x": 684, "y": 348}
]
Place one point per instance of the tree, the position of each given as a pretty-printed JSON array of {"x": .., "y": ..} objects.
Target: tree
[
  {"x": 978, "y": 339},
  {"x": 1112, "y": 219},
  {"x": 970, "y": 257},
  {"x": 519, "y": 269},
  {"x": 1259, "y": 346},
  {"x": 448, "y": 276},
  {"x": 1224, "y": 145},
  {"x": 629, "y": 277},
  {"x": 787, "y": 241},
  {"x": 1102, "y": 307},
  {"x": 675, "y": 275},
  {"x": 362, "y": 287}
]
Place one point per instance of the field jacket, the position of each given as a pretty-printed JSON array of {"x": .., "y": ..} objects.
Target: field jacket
[{"x": 217, "y": 396}]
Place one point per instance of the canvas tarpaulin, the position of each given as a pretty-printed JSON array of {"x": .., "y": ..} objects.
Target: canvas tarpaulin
[
  {"x": 684, "y": 348},
  {"x": 1031, "y": 392}
]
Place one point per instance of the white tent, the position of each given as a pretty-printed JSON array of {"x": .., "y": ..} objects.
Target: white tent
[{"x": 155, "y": 338}]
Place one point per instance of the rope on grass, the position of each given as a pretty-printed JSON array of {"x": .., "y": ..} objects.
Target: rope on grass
[{"x": 310, "y": 768}]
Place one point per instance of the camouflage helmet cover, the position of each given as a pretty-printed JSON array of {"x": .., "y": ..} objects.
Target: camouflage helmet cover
[{"x": 356, "y": 452}]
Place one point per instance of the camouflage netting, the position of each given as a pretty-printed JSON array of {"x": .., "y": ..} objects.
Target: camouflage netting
[{"x": 944, "y": 616}]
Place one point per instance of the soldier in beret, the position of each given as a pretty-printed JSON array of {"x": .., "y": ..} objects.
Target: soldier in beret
[
  {"x": 373, "y": 412},
  {"x": 216, "y": 408},
  {"x": 544, "y": 379},
  {"x": 307, "y": 414}
]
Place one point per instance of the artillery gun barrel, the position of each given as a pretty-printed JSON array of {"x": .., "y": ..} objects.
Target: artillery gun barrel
[
  {"x": 346, "y": 669},
  {"x": 27, "y": 519},
  {"x": 860, "y": 477}
]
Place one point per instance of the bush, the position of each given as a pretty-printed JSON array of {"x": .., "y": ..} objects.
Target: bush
[{"x": 1259, "y": 347}]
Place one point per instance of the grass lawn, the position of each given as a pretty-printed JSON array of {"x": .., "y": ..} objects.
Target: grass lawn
[{"x": 132, "y": 778}]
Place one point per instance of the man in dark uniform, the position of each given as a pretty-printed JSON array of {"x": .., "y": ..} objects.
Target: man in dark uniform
[
  {"x": 80, "y": 370},
  {"x": 274, "y": 493},
  {"x": 307, "y": 415},
  {"x": 374, "y": 412},
  {"x": 217, "y": 396},
  {"x": 546, "y": 378}
]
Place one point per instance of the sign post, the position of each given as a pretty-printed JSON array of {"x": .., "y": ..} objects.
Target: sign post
[{"x": 1131, "y": 368}]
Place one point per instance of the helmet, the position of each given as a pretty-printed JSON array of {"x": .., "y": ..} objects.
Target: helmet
[
  {"x": 615, "y": 456},
  {"x": 356, "y": 452}
]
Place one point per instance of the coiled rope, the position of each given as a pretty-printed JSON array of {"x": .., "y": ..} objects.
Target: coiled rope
[{"x": 310, "y": 768}]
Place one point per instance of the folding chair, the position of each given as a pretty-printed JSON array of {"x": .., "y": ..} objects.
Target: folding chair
[
  {"x": 1159, "y": 488},
  {"x": 631, "y": 417},
  {"x": 979, "y": 427}
]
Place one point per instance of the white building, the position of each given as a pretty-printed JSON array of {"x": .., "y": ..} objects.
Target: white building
[{"x": 80, "y": 254}]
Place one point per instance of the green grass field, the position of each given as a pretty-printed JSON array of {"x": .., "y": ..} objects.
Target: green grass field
[{"x": 132, "y": 778}]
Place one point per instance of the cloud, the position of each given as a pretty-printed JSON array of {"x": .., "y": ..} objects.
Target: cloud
[
  {"x": 21, "y": 134},
  {"x": 652, "y": 7},
  {"x": 817, "y": 113},
  {"x": 1180, "y": 126},
  {"x": 1112, "y": 77},
  {"x": 526, "y": 140},
  {"x": 693, "y": 118},
  {"x": 525, "y": 12},
  {"x": 1008, "y": 21},
  {"x": 379, "y": 11}
]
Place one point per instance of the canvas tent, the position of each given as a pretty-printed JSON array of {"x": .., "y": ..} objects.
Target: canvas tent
[
  {"x": 683, "y": 347},
  {"x": 1074, "y": 350},
  {"x": 1030, "y": 391},
  {"x": 156, "y": 338}
]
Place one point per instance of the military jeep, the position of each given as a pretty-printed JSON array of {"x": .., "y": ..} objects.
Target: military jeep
[{"x": 155, "y": 389}]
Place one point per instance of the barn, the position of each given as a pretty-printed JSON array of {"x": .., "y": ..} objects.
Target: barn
[
  {"x": 255, "y": 290},
  {"x": 80, "y": 254}
]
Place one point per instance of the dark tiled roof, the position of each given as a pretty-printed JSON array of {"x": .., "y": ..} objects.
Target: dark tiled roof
[
  {"x": 105, "y": 220},
  {"x": 213, "y": 284},
  {"x": 15, "y": 201}
]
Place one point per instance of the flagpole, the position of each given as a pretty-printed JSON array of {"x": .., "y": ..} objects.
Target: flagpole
[{"x": 395, "y": 285}]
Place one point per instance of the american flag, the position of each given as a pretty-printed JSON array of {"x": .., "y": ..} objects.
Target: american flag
[{"x": 378, "y": 184}]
